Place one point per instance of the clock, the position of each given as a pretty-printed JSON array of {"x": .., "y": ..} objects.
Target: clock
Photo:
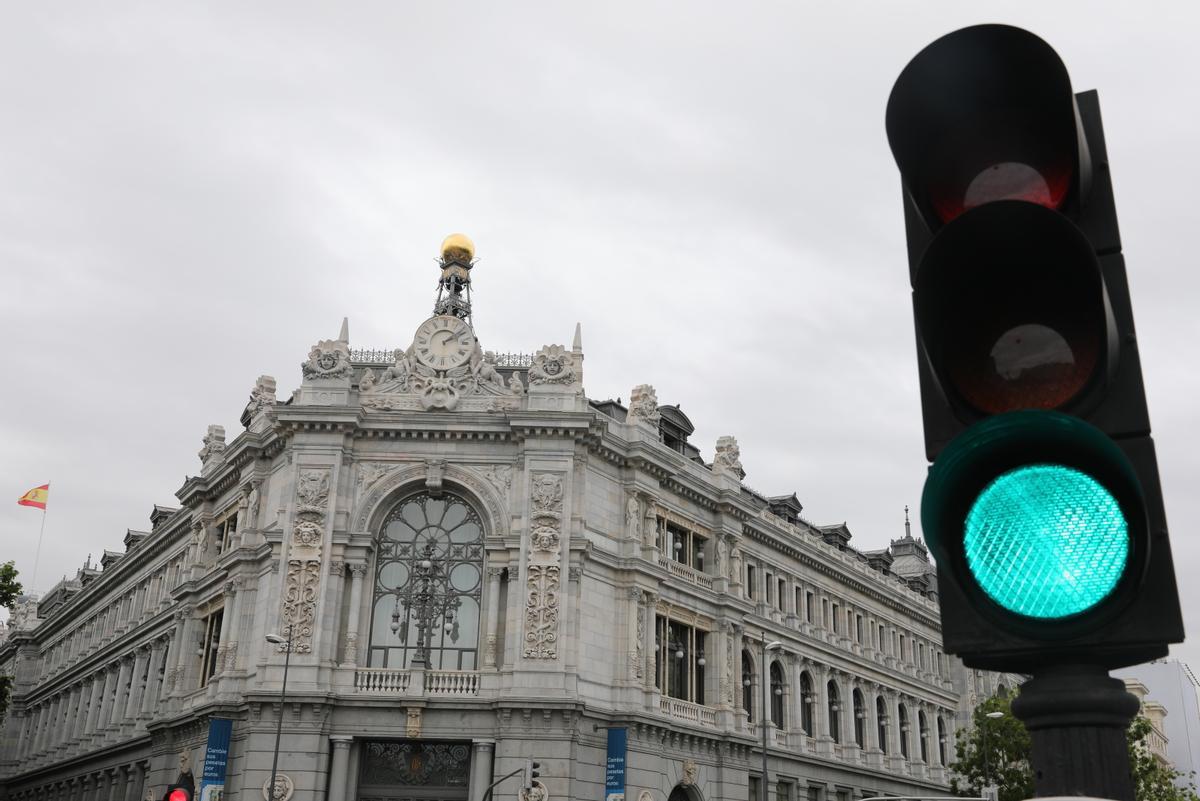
[{"x": 444, "y": 342}]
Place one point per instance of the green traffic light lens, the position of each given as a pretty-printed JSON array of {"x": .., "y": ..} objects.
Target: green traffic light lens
[{"x": 1046, "y": 541}]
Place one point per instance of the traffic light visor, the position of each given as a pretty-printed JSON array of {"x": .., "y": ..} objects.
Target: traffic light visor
[
  {"x": 984, "y": 114},
  {"x": 1011, "y": 309},
  {"x": 1040, "y": 514}
]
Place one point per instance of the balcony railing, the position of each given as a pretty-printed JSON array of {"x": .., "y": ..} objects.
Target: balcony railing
[
  {"x": 680, "y": 570},
  {"x": 435, "y": 682},
  {"x": 686, "y": 710}
]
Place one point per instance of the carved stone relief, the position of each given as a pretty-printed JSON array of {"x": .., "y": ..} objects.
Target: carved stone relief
[
  {"x": 553, "y": 364},
  {"x": 301, "y": 588},
  {"x": 413, "y": 722},
  {"x": 689, "y": 773},
  {"x": 212, "y": 445},
  {"x": 283, "y": 790},
  {"x": 643, "y": 406},
  {"x": 411, "y": 384},
  {"x": 329, "y": 358},
  {"x": 728, "y": 457},
  {"x": 543, "y": 574}
]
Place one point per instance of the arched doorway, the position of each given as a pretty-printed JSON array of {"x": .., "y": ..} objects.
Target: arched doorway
[{"x": 683, "y": 792}]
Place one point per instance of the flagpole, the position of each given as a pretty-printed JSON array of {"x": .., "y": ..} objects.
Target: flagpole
[{"x": 37, "y": 554}]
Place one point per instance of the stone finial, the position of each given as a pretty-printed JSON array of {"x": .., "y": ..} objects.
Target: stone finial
[
  {"x": 213, "y": 445},
  {"x": 728, "y": 458},
  {"x": 261, "y": 397},
  {"x": 643, "y": 406},
  {"x": 577, "y": 342}
]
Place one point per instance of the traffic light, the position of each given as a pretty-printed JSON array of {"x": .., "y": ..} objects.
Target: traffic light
[
  {"x": 531, "y": 773},
  {"x": 177, "y": 792},
  {"x": 1042, "y": 507}
]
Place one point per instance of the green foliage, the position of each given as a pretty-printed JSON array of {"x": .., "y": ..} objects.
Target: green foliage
[
  {"x": 1007, "y": 764},
  {"x": 993, "y": 751},
  {"x": 10, "y": 588},
  {"x": 1153, "y": 781}
]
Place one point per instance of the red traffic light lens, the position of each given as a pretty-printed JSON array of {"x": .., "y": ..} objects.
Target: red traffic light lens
[
  {"x": 179, "y": 794},
  {"x": 1011, "y": 298},
  {"x": 985, "y": 114}
]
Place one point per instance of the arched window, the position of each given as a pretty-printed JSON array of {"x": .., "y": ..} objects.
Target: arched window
[
  {"x": 748, "y": 685},
  {"x": 860, "y": 719},
  {"x": 923, "y": 735},
  {"x": 835, "y": 730},
  {"x": 941, "y": 735},
  {"x": 904, "y": 731},
  {"x": 777, "y": 695},
  {"x": 428, "y": 584},
  {"x": 806, "y": 704},
  {"x": 881, "y": 720}
]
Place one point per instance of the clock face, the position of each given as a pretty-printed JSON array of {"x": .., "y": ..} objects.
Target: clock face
[{"x": 444, "y": 342}]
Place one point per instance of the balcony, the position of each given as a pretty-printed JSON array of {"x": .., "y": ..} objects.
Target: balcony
[
  {"x": 680, "y": 570},
  {"x": 400, "y": 682},
  {"x": 686, "y": 710}
]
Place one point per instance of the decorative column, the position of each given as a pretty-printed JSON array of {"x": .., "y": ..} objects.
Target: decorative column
[
  {"x": 124, "y": 679},
  {"x": 137, "y": 687},
  {"x": 894, "y": 734},
  {"x": 339, "y": 769},
  {"x": 184, "y": 624},
  {"x": 350, "y": 653},
  {"x": 493, "y": 616},
  {"x": 97, "y": 687},
  {"x": 481, "y": 768},
  {"x": 78, "y": 699},
  {"x": 850, "y": 748},
  {"x": 648, "y": 647},
  {"x": 137, "y": 781}
]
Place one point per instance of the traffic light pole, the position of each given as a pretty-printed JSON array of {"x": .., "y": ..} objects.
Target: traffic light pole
[{"x": 1077, "y": 717}]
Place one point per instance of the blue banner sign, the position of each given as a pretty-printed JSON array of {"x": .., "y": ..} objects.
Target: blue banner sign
[
  {"x": 614, "y": 768},
  {"x": 216, "y": 758}
]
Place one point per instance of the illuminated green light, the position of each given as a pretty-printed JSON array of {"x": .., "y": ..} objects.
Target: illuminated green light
[{"x": 1046, "y": 541}]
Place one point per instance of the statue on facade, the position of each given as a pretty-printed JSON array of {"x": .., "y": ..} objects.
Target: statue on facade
[{"x": 633, "y": 518}]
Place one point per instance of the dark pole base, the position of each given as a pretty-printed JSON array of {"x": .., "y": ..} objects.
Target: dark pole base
[{"x": 1077, "y": 716}]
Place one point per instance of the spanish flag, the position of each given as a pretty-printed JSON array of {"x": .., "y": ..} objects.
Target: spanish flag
[{"x": 36, "y": 497}]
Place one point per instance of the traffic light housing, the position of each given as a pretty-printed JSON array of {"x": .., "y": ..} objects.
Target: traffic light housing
[
  {"x": 177, "y": 792},
  {"x": 1042, "y": 507},
  {"x": 531, "y": 773}
]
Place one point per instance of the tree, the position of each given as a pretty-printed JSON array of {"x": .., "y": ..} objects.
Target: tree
[
  {"x": 1007, "y": 759},
  {"x": 993, "y": 751},
  {"x": 10, "y": 588},
  {"x": 1152, "y": 780}
]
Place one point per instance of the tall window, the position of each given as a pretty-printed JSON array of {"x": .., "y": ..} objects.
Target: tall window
[
  {"x": 806, "y": 704},
  {"x": 881, "y": 722},
  {"x": 682, "y": 544},
  {"x": 923, "y": 735},
  {"x": 226, "y": 530},
  {"x": 749, "y": 581},
  {"x": 835, "y": 729},
  {"x": 781, "y": 596},
  {"x": 212, "y": 642},
  {"x": 680, "y": 659},
  {"x": 777, "y": 695},
  {"x": 860, "y": 719},
  {"x": 941, "y": 735},
  {"x": 904, "y": 731},
  {"x": 748, "y": 685},
  {"x": 808, "y": 607},
  {"x": 428, "y": 584}
]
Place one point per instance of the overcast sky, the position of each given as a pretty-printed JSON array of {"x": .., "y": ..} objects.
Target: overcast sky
[{"x": 192, "y": 197}]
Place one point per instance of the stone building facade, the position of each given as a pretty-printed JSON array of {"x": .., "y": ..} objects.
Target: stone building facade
[{"x": 477, "y": 565}]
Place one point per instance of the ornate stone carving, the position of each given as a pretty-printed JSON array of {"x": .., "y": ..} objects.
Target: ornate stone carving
[
  {"x": 544, "y": 538},
  {"x": 262, "y": 396},
  {"x": 728, "y": 458},
  {"x": 230, "y": 662},
  {"x": 328, "y": 359},
  {"x": 689, "y": 773},
  {"x": 547, "y": 497},
  {"x": 645, "y": 795},
  {"x": 541, "y": 612},
  {"x": 722, "y": 549},
  {"x": 337, "y": 569},
  {"x": 735, "y": 563},
  {"x": 213, "y": 445},
  {"x": 643, "y": 406},
  {"x": 379, "y": 493},
  {"x": 284, "y": 787},
  {"x": 500, "y": 475},
  {"x": 633, "y": 518},
  {"x": 351, "y": 647},
  {"x": 536, "y": 793},
  {"x": 370, "y": 472},
  {"x": 640, "y": 613},
  {"x": 411, "y": 384},
  {"x": 413, "y": 723},
  {"x": 301, "y": 584},
  {"x": 727, "y": 690},
  {"x": 553, "y": 364}
]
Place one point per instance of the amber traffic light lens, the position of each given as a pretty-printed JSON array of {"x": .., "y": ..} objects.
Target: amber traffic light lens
[{"x": 1010, "y": 297}]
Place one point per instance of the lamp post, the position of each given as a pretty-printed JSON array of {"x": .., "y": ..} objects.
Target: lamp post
[
  {"x": 287, "y": 658},
  {"x": 430, "y": 599},
  {"x": 766, "y": 646},
  {"x": 987, "y": 770}
]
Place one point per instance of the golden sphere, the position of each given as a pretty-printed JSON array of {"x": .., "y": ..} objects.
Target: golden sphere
[{"x": 458, "y": 246}]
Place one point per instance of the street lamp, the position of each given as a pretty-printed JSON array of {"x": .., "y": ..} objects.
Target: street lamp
[
  {"x": 287, "y": 643},
  {"x": 766, "y": 646},
  {"x": 430, "y": 599},
  {"x": 987, "y": 770}
]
